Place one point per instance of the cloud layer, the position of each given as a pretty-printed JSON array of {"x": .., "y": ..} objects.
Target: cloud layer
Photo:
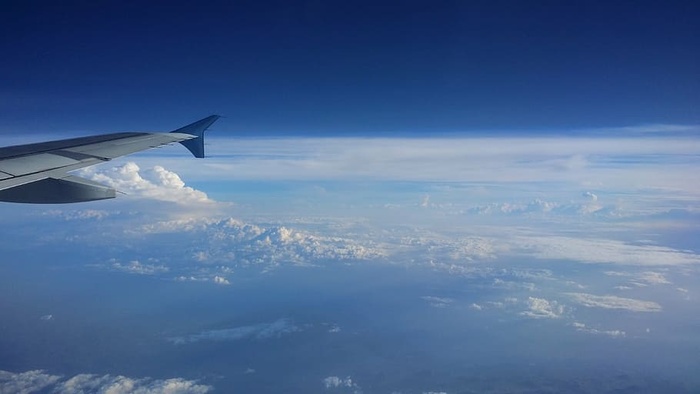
[
  {"x": 37, "y": 380},
  {"x": 631, "y": 162}
]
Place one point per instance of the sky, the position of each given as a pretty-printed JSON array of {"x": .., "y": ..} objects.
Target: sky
[
  {"x": 401, "y": 197},
  {"x": 326, "y": 68}
]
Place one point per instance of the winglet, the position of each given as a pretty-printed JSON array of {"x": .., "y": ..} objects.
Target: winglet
[{"x": 196, "y": 145}]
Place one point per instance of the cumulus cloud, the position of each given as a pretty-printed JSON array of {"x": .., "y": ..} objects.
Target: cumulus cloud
[
  {"x": 25, "y": 382},
  {"x": 219, "y": 240},
  {"x": 34, "y": 381},
  {"x": 614, "y": 302},
  {"x": 260, "y": 331},
  {"x": 541, "y": 308},
  {"x": 335, "y": 382},
  {"x": 154, "y": 183},
  {"x": 543, "y": 208}
]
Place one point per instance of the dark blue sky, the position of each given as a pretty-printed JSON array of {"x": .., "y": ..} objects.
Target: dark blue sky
[{"x": 332, "y": 67}]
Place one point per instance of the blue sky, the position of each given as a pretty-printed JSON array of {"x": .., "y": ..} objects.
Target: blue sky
[{"x": 328, "y": 68}]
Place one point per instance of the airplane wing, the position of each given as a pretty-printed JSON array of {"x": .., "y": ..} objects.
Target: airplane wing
[{"x": 38, "y": 173}]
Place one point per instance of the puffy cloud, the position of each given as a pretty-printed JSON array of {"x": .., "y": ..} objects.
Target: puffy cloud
[
  {"x": 154, "y": 183},
  {"x": 220, "y": 240},
  {"x": 275, "y": 329},
  {"x": 33, "y": 381},
  {"x": 220, "y": 280},
  {"x": 121, "y": 384},
  {"x": 543, "y": 208},
  {"x": 335, "y": 382},
  {"x": 542, "y": 308},
  {"x": 25, "y": 382},
  {"x": 614, "y": 302}
]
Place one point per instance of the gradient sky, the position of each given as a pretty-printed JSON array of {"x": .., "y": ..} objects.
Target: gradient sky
[
  {"x": 328, "y": 68},
  {"x": 547, "y": 241}
]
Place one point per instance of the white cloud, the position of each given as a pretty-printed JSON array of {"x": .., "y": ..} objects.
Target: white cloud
[
  {"x": 81, "y": 214},
  {"x": 219, "y": 241},
  {"x": 334, "y": 329},
  {"x": 590, "y": 250},
  {"x": 640, "y": 279},
  {"x": 33, "y": 381},
  {"x": 154, "y": 183},
  {"x": 612, "y": 333},
  {"x": 614, "y": 302},
  {"x": 581, "y": 160},
  {"x": 136, "y": 267},
  {"x": 25, "y": 382},
  {"x": 121, "y": 384},
  {"x": 220, "y": 280},
  {"x": 438, "y": 302},
  {"x": 652, "y": 278},
  {"x": 261, "y": 331},
  {"x": 335, "y": 382},
  {"x": 542, "y": 308}
]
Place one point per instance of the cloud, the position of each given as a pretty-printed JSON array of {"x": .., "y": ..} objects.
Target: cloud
[
  {"x": 80, "y": 214},
  {"x": 590, "y": 250},
  {"x": 541, "y": 308},
  {"x": 612, "y": 333},
  {"x": 154, "y": 183},
  {"x": 25, "y": 382},
  {"x": 335, "y": 382},
  {"x": 334, "y": 329},
  {"x": 438, "y": 302},
  {"x": 121, "y": 384},
  {"x": 34, "y": 381},
  {"x": 614, "y": 302},
  {"x": 136, "y": 267},
  {"x": 579, "y": 160},
  {"x": 218, "y": 241},
  {"x": 260, "y": 331},
  {"x": 640, "y": 279}
]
